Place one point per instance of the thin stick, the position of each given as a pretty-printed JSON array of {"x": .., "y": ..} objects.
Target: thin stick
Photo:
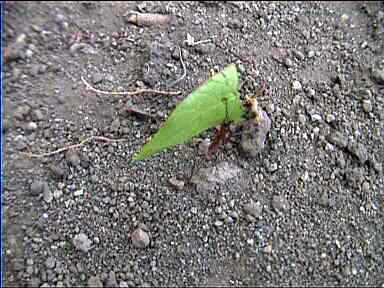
[
  {"x": 130, "y": 93},
  {"x": 184, "y": 69},
  {"x": 74, "y": 146},
  {"x": 201, "y": 42}
]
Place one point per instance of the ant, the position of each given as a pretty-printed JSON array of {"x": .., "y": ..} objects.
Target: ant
[
  {"x": 220, "y": 135},
  {"x": 222, "y": 132}
]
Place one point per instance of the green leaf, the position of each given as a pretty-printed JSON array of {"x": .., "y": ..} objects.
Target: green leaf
[{"x": 214, "y": 102}]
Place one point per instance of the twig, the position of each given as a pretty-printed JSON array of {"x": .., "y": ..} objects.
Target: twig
[
  {"x": 130, "y": 93},
  {"x": 139, "y": 112},
  {"x": 184, "y": 69},
  {"x": 191, "y": 44},
  {"x": 74, "y": 146},
  {"x": 201, "y": 42}
]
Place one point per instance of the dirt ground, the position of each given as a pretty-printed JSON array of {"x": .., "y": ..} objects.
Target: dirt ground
[{"x": 306, "y": 210}]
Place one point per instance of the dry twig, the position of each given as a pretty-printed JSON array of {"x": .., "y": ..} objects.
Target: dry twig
[
  {"x": 74, "y": 146},
  {"x": 184, "y": 69},
  {"x": 129, "y": 93}
]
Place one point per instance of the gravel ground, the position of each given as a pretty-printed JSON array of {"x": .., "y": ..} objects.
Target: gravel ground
[{"x": 307, "y": 209}]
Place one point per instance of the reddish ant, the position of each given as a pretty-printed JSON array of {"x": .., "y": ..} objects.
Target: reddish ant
[{"x": 220, "y": 134}]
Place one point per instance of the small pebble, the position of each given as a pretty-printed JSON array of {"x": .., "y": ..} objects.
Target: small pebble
[
  {"x": 329, "y": 118},
  {"x": 95, "y": 282},
  {"x": 280, "y": 203},
  {"x": 140, "y": 238},
  {"x": 267, "y": 249},
  {"x": 254, "y": 209},
  {"x": 218, "y": 223},
  {"x": 378, "y": 75},
  {"x": 37, "y": 188},
  {"x": 288, "y": 63},
  {"x": 37, "y": 115},
  {"x": 97, "y": 78},
  {"x": 31, "y": 126},
  {"x": 299, "y": 55},
  {"x": 178, "y": 184},
  {"x": 47, "y": 194},
  {"x": 302, "y": 119},
  {"x": 50, "y": 263},
  {"x": 367, "y": 106},
  {"x": 79, "y": 192},
  {"x": 316, "y": 118},
  {"x": 21, "y": 142},
  {"x": 296, "y": 85},
  {"x": 311, "y": 54},
  {"x": 82, "y": 243},
  {"x": 337, "y": 138},
  {"x": 73, "y": 158},
  {"x": 111, "y": 280}
]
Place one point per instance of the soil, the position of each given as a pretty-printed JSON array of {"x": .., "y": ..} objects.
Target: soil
[{"x": 308, "y": 209}]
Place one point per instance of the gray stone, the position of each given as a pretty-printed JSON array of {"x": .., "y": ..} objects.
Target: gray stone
[
  {"x": 21, "y": 112},
  {"x": 206, "y": 178},
  {"x": 115, "y": 125},
  {"x": 82, "y": 243},
  {"x": 254, "y": 209},
  {"x": 37, "y": 188},
  {"x": 37, "y": 115},
  {"x": 140, "y": 238},
  {"x": 272, "y": 167},
  {"x": 337, "y": 138},
  {"x": 365, "y": 187},
  {"x": 359, "y": 151},
  {"x": 267, "y": 249},
  {"x": 296, "y": 85},
  {"x": 111, "y": 280},
  {"x": 218, "y": 223},
  {"x": 311, "y": 54},
  {"x": 302, "y": 119},
  {"x": 178, "y": 184},
  {"x": 156, "y": 66},
  {"x": 235, "y": 23},
  {"x": 29, "y": 270},
  {"x": 316, "y": 117},
  {"x": 123, "y": 284},
  {"x": 20, "y": 142},
  {"x": 50, "y": 263},
  {"x": 329, "y": 118},
  {"x": 78, "y": 192},
  {"x": 94, "y": 282},
  {"x": 47, "y": 194},
  {"x": 83, "y": 47},
  {"x": 254, "y": 135},
  {"x": 288, "y": 63},
  {"x": 376, "y": 165},
  {"x": 299, "y": 55},
  {"x": 324, "y": 200},
  {"x": 378, "y": 75},
  {"x": 73, "y": 158},
  {"x": 97, "y": 78},
  {"x": 58, "y": 171},
  {"x": 31, "y": 126},
  {"x": 205, "y": 48},
  {"x": 367, "y": 106},
  {"x": 280, "y": 203}
]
